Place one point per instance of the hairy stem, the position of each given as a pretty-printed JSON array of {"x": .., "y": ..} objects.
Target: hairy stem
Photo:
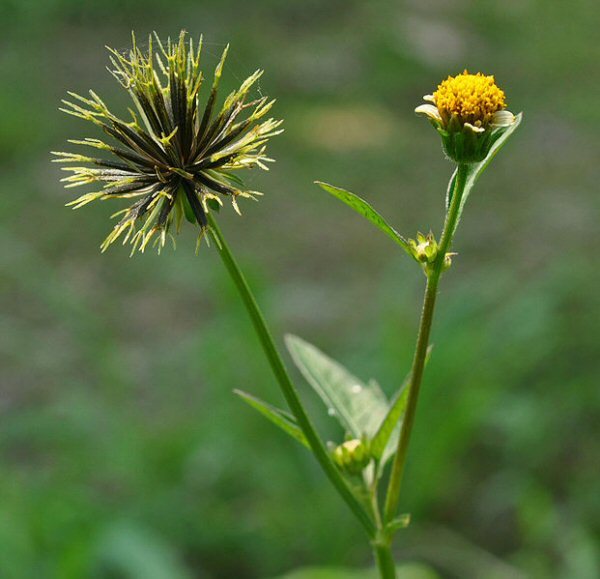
[
  {"x": 287, "y": 387},
  {"x": 433, "y": 278}
]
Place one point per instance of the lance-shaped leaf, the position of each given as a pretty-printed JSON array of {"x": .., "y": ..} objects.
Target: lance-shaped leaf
[
  {"x": 360, "y": 408},
  {"x": 279, "y": 417},
  {"x": 366, "y": 210},
  {"x": 476, "y": 169},
  {"x": 390, "y": 426}
]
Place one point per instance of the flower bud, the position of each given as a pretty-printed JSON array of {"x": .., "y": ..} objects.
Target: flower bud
[
  {"x": 424, "y": 249},
  {"x": 353, "y": 455}
]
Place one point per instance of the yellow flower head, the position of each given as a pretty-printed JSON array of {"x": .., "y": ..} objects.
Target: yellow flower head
[
  {"x": 473, "y": 98},
  {"x": 468, "y": 111}
]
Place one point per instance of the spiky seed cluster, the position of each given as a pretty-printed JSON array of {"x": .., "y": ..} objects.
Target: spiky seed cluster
[
  {"x": 468, "y": 110},
  {"x": 175, "y": 155}
]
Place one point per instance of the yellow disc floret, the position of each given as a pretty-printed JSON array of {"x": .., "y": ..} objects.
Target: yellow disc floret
[{"x": 470, "y": 98}]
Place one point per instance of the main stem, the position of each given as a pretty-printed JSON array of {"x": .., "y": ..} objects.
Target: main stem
[
  {"x": 287, "y": 387},
  {"x": 433, "y": 278},
  {"x": 385, "y": 560}
]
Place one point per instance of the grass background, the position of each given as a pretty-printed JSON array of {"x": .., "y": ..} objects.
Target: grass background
[{"x": 123, "y": 453}]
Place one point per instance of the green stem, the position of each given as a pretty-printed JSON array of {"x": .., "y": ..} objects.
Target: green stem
[
  {"x": 433, "y": 278},
  {"x": 382, "y": 550},
  {"x": 385, "y": 559},
  {"x": 287, "y": 387}
]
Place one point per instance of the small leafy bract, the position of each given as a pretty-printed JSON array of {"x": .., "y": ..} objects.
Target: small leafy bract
[
  {"x": 476, "y": 169},
  {"x": 279, "y": 417},
  {"x": 366, "y": 210}
]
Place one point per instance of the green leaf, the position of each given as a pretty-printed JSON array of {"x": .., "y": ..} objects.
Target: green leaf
[
  {"x": 476, "y": 170},
  {"x": 390, "y": 425},
  {"x": 279, "y": 417},
  {"x": 385, "y": 440},
  {"x": 359, "y": 407},
  {"x": 361, "y": 206},
  {"x": 399, "y": 522}
]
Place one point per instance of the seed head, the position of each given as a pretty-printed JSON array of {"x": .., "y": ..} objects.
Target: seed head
[{"x": 175, "y": 155}]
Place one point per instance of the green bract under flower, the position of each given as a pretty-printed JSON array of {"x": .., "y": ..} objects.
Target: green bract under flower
[
  {"x": 468, "y": 111},
  {"x": 174, "y": 155}
]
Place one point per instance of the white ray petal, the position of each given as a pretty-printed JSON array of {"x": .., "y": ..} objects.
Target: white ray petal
[
  {"x": 429, "y": 111},
  {"x": 503, "y": 119}
]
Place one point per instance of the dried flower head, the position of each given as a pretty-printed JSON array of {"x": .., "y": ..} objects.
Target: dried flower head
[
  {"x": 175, "y": 155},
  {"x": 468, "y": 110}
]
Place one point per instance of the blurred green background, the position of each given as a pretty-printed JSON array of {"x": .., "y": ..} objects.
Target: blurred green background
[{"x": 124, "y": 454}]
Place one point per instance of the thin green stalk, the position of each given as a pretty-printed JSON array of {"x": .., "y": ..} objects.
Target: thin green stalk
[
  {"x": 382, "y": 544},
  {"x": 385, "y": 559},
  {"x": 287, "y": 387},
  {"x": 433, "y": 278}
]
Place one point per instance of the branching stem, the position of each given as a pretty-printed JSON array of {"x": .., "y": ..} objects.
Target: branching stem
[
  {"x": 380, "y": 539},
  {"x": 285, "y": 383}
]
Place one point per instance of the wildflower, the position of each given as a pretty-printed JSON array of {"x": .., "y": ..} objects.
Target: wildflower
[
  {"x": 175, "y": 157},
  {"x": 469, "y": 112}
]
